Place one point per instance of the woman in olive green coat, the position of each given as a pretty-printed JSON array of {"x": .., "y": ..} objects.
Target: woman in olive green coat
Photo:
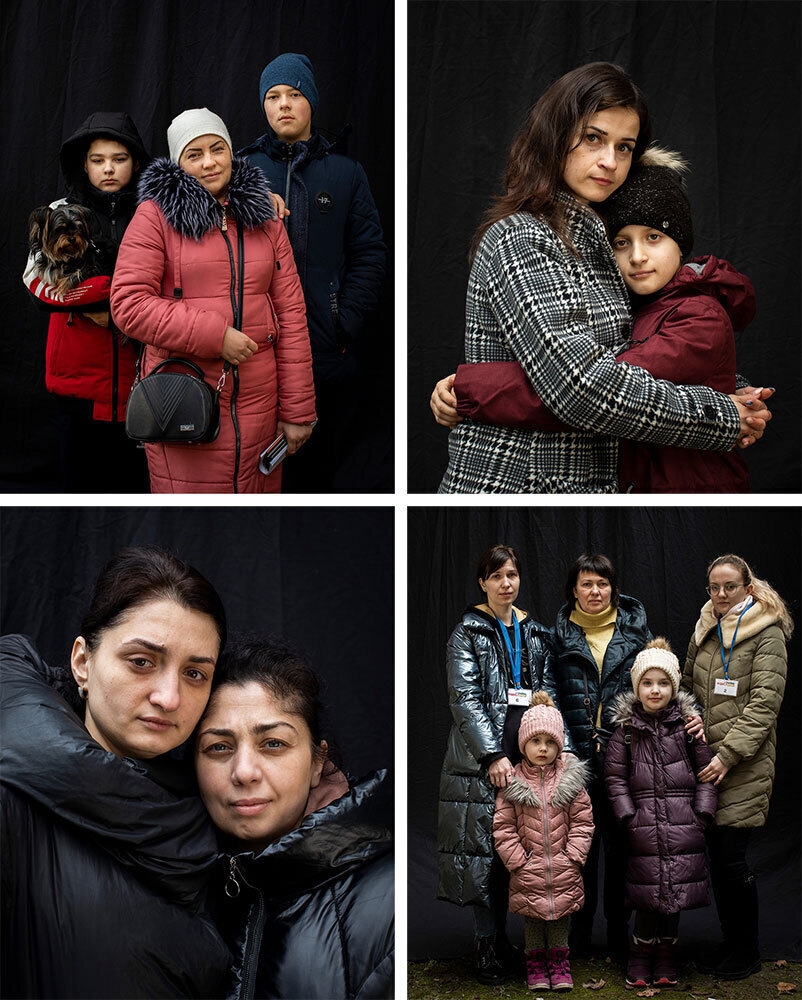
[{"x": 736, "y": 667}]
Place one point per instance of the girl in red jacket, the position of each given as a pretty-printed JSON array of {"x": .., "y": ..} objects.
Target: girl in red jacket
[
  {"x": 683, "y": 332},
  {"x": 543, "y": 828}
]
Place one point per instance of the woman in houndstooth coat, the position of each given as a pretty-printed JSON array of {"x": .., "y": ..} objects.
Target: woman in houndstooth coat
[{"x": 544, "y": 290}]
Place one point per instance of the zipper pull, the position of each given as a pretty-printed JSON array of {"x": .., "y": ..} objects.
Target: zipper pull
[
  {"x": 232, "y": 886},
  {"x": 224, "y": 224}
]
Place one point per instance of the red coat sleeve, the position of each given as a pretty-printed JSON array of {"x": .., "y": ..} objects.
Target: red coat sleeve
[
  {"x": 296, "y": 389},
  {"x": 499, "y": 393},
  {"x": 91, "y": 292},
  {"x": 137, "y": 306},
  {"x": 693, "y": 345}
]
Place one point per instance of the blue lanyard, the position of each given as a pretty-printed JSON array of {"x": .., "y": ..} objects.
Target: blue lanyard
[
  {"x": 515, "y": 661},
  {"x": 721, "y": 643}
]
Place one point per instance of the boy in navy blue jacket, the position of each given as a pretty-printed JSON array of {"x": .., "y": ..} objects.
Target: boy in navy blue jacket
[{"x": 337, "y": 242}]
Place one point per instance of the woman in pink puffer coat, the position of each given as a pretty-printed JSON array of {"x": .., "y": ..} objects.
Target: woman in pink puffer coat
[
  {"x": 543, "y": 828},
  {"x": 174, "y": 289}
]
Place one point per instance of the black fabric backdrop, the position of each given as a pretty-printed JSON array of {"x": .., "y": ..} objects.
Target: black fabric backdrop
[
  {"x": 661, "y": 556},
  {"x": 64, "y": 59},
  {"x": 322, "y": 577},
  {"x": 723, "y": 85}
]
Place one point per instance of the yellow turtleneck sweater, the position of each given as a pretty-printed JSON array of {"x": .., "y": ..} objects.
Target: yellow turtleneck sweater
[{"x": 598, "y": 631}]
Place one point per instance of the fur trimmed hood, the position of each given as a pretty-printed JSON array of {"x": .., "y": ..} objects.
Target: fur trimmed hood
[
  {"x": 623, "y": 705},
  {"x": 755, "y": 619},
  {"x": 575, "y": 776},
  {"x": 192, "y": 211}
]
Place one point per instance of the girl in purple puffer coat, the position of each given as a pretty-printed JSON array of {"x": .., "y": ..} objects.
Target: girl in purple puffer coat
[{"x": 651, "y": 772}]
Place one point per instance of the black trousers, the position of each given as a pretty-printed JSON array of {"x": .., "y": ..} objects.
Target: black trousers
[
  {"x": 349, "y": 451},
  {"x": 487, "y": 920},
  {"x": 609, "y": 837},
  {"x": 96, "y": 456},
  {"x": 733, "y": 884}
]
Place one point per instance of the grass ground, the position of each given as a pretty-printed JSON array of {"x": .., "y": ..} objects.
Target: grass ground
[{"x": 455, "y": 981}]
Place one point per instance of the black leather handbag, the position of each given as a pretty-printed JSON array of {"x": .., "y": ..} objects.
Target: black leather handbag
[
  {"x": 168, "y": 406},
  {"x": 176, "y": 407}
]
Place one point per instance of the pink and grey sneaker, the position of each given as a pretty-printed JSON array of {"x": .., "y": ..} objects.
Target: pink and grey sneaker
[
  {"x": 559, "y": 969},
  {"x": 537, "y": 976},
  {"x": 665, "y": 963}
]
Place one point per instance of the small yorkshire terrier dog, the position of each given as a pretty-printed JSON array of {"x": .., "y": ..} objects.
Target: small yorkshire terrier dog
[{"x": 65, "y": 253}]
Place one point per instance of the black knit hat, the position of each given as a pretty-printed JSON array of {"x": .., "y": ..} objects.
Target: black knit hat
[{"x": 653, "y": 195}]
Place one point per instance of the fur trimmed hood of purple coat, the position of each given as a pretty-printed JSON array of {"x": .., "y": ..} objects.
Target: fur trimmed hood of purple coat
[
  {"x": 192, "y": 210},
  {"x": 624, "y": 704}
]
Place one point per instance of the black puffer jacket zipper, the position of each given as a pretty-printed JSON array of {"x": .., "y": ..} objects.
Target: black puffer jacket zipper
[
  {"x": 237, "y": 326},
  {"x": 253, "y": 933}
]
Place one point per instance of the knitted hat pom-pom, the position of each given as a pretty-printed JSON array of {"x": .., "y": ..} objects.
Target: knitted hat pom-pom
[{"x": 541, "y": 698}]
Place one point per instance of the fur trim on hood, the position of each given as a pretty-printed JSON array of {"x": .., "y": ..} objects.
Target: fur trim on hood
[
  {"x": 657, "y": 156},
  {"x": 755, "y": 619},
  {"x": 192, "y": 211},
  {"x": 576, "y": 776},
  {"x": 624, "y": 703}
]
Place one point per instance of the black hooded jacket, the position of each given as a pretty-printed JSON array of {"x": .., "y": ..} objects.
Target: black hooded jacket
[
  {"x": 311, "y": 916},
  {"x": 104, "y": 860},
  {"x": 111, "y": 212}
]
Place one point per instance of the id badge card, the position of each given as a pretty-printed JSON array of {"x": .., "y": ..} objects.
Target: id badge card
[
  {"x": 729, "y": 688},
  {"x": 519, "y": 696}
]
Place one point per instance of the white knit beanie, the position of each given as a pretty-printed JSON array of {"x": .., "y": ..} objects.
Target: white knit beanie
[
  {"x": 656, "y": 656},
  {"x": 189, "y": 125}
]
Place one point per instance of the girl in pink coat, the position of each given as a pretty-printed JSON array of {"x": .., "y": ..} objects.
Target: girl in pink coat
[
  {"x": 175, "y": 290},
  {"x": 543, "y": 827}
]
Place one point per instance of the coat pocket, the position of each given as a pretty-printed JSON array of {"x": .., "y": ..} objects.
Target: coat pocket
[{"x": 273, "y": 331}]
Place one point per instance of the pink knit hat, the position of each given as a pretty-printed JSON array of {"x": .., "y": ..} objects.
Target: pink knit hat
[{"x": 542, "y": 717}]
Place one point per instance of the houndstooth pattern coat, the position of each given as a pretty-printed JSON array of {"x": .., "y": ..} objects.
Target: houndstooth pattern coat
[{"x": 564, "y": 318}]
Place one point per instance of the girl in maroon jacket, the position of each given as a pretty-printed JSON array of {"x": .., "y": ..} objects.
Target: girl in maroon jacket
[
  {"x": 683, "y": 332},
  {"x": 651, "y": 770},
  {"x": 543, "y": 828}
]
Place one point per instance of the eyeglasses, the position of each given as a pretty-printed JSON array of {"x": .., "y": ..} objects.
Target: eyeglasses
[{"x": 728, "y": 588}]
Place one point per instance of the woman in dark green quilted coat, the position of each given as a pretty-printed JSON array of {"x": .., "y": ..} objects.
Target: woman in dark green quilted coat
[{"x": 496, "y": 656}]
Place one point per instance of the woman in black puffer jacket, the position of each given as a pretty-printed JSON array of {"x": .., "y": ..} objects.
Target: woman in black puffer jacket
[
  {"x": 305, "y": 886},
  {"x": 106, "y": 848},
  {"x": 597, "y": 635}
]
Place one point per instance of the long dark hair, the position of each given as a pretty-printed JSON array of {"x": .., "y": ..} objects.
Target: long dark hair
[{"x": 537, "y": 155}]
